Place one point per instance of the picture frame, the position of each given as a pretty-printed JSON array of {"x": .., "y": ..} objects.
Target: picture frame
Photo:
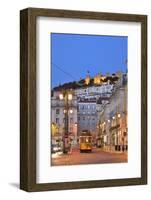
[{"x": 28, "y": 98}]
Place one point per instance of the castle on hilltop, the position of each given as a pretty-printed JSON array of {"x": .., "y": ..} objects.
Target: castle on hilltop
[
  {"x": 100, "y": 79},
  {"x": 96, "y": 81}
]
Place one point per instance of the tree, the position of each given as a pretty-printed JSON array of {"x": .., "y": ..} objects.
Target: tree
[{"x": 54, "y": 129}]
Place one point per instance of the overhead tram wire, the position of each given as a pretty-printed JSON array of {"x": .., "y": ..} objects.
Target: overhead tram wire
[
  {"x": 68, "y": 74},
  {"x": 65, "y": 72}
]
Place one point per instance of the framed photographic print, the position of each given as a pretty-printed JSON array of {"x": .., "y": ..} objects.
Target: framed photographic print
[{"x": 83, "y": 99}]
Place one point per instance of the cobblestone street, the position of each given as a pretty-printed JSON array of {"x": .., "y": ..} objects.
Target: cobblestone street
[{"x": 97, "y": 156}]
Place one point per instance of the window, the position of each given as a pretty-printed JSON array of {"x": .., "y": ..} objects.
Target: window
[
  {"x": 57, "y": 120},
  {"x": 57, "y": 111}
]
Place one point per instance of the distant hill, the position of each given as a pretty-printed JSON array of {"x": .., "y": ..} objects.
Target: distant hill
[{"x": 80, "y": 84}]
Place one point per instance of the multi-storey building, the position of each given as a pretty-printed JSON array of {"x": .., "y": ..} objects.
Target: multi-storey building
[
  {"x": 58, "y": 119},
  {"x": 87, "y": 116},
  {"x": 95, "y": 91},
  {"x": 112, "y": 126}
]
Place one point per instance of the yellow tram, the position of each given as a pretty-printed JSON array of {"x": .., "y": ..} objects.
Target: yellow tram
[{"x": 85, "y": 141}]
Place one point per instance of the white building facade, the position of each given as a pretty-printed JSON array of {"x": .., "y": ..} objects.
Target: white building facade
[
  {"x": 58, "y": 117},
  {"x": 95, "y": 91}
]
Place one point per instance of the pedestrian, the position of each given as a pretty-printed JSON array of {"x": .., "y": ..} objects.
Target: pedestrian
[{"x": 70, "y": 146}]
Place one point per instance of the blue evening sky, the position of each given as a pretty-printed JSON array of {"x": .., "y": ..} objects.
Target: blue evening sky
[{"x": 73, "y": 55}]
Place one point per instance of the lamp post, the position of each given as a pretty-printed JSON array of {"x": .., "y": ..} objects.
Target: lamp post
[
  {"x": 119, "y": 131},
  {"x": 99, "y": 134},
  {"x": 109, "y": 134},
  {"x": 104, "y": 134},
  {"x": 66, "y": 96},
  {"x": 75, "y": 135}
]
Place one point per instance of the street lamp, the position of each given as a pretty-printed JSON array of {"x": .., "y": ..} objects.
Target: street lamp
[
  {"x": 118, "y": 115},
  {"x": 71, "y": 111},
  {"x": 110, "y": 133},
  {"x": 76, "y": 125},
  {"x": 119, "y": 135},
  {"x": 61, "y": 96},
  {"x": 66, "y": 96},
  {"x": 64, "y": 111},
  {"x": 70, "y": 97},
  {"x": 99, "y": 126}
]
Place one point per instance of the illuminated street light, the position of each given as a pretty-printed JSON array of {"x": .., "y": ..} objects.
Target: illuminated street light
[
  {"x": 69, "y": 96},
  {"x": 118, "y": 115},
  {"x": 113, "y": 117},
  {"x": 61, "y": 96},
  {"x": 108, "y": 121},
  {"x": 65, "y": 111},
  {"x": 71, "y": 111}
]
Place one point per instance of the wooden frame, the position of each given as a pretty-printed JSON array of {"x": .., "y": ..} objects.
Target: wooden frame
[{"x": 28, "y": 99}]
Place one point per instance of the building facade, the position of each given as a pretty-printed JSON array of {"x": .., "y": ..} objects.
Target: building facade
[
  {"x": 87, "y": 116},
  {"x": 112, "y": 126},
  {"x": 58, "y": 117},
  {"x": 95, "y": 91}
]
